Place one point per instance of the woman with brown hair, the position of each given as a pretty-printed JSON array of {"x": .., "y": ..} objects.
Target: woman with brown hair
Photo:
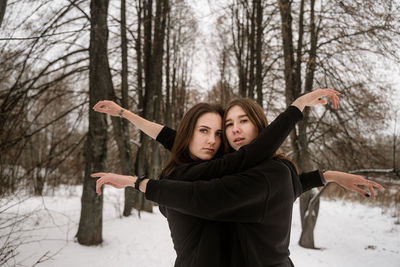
[{"x": 258, "y": 200}]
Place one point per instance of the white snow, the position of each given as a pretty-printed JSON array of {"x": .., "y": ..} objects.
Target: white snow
[{"x": 348, "y": 233}]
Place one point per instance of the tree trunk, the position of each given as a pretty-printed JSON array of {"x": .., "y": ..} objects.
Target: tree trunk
[
  {"x": 3, "y": 5},
  {"x": 132, "y": 197},
  {"x": 168, "y": 115},
  {"x": 299, "y": 141},
  {"x": 309, "y": 220},
  {"x": 143, "y": 158},
  {"x": 251, "y": 42},
  {"x": 90, "y": 224},
  {"x": 121, "y": 127},
  {"x": 287, "y": 42},
  {"x": 153, "y": 59},
  {"x": 259, "y": 48},
  {"x": 157, "y": 58},
  {"x": 309, "y": 216}
]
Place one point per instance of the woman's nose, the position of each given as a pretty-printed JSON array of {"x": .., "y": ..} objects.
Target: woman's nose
[
  {"x": 235, "y": 128},
  {"x": 211, "y": 139}
]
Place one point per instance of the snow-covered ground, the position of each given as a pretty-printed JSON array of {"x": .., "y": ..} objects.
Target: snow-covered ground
[{"x": 348, "y": 233}]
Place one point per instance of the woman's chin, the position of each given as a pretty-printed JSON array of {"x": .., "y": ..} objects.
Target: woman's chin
[
  {"x": 235, "y": 146},
  {"x": 206, "y": 157}
]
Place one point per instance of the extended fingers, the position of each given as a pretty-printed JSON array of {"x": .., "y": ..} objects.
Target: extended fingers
[
  {"x": 101, "y": 104},
  {"x": 360, "y": 191},
  {"x": 331, "y": 94},
  {"x": 326, "y": 91},
  {"x": 99, "y": 183},
  {"x": 374, "y": 184},
  {"x": 332, "y": 91},
  {"x": 98, "y": 174},
  {"x": 334, "y": 99},
  {"x": 371, "y": 189},
  {"x": 102, "y": 108},
  {"x": 371, "y": 185}
]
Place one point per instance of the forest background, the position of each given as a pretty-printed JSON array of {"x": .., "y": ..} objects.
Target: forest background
[{"x": 159, "y": 57}]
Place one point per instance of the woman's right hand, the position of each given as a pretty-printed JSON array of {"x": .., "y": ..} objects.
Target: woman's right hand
[
  {"x": 108, "y": 107},
  {"x": 316, "y": 98},
  {"x": 352, "y": 182},
  {"x": 113, "y": 179}
]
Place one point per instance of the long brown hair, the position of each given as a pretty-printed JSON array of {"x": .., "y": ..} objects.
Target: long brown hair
[
  {"x": 256, "y": 115},
  {"x": 180, "y": 153}
]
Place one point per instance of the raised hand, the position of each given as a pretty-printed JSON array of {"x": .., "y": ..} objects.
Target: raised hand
[
  {"x": 113, "y": 179},
  {"x": 108, "y": 107},
  {"x": 352, "y": 182},
  {"x": 316, "y": 97}
]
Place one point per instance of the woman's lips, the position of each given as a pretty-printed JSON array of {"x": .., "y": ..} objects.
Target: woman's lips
[
  {"x": 209, "y": 150},
  {"x": 238, "y": 140}
]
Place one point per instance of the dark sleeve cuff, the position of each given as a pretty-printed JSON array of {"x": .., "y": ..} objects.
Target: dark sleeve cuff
[
  {"x": 152, "y": 190},
  {"x": 166, "y": 137},
  {"x": 310, "y": 180}
]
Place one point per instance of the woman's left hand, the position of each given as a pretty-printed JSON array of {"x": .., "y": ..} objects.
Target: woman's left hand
[
  {"x": 113, "y": 179},
  {"x": 107, "y": 107},
  {"x": 316, "y": 97},
  {"x": 352, "y": 182}
]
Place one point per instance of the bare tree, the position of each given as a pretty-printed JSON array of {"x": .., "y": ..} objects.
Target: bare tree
[
  {"x": 90, "y": 224},
  {"x": 181, "y": 35},
  {"x": 34, "y": 93},
  {"x": 320, "y": 44},
  {"x": 329, "y": 32}
]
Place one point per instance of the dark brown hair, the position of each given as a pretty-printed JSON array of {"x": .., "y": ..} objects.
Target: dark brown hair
[
  {"x": 256, "y": 115},
  {"x": 180, "y": 153}
]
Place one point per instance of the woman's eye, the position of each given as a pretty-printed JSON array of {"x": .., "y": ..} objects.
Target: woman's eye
[
  {"x": 203, "y": 130},
  {"x": 219, "y": 134},
  {"x": 228, "y": 125},
  {"x": 243, "y": 121}
]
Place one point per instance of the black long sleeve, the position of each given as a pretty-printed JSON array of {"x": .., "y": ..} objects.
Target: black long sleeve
[
  {"x": 166, "y": 137},
  {"x": 307, "y": 180},
  {"x": 262, "y": 148},
  {"x": 240, "y": 197},
  {"x": 310, "y": 180},
  {"x": 234, "y": 198}
]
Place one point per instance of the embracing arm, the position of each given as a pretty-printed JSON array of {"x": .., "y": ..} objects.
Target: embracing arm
[
  {"x": 167, "y": 136},
  {"x": 241, "y": 197},
  {"x": 262, "y": 148},
  {"x": 236, "y": 198}
]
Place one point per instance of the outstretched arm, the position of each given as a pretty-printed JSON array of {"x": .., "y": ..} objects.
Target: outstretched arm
[
  {"x": 239, "y": 197},
  {"x": 262, "y": 148},
  {"x": 349, "y": 181},
  {"x": 352, "y": 182},
  {"x": 150, "y": 128}
]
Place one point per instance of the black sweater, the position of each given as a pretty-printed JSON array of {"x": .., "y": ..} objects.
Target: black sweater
[{"x": 197, "y": 241}]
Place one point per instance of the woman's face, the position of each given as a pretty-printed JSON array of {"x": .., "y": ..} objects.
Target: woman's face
[
  {"x": 206, "y": 138},
  {"x": 239, "y": 129}
]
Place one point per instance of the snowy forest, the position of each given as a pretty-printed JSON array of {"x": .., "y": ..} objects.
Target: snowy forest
[{"x": 157, "y": 58}]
